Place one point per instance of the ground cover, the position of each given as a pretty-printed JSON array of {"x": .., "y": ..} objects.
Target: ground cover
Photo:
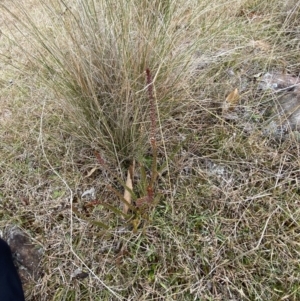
[{"x": 226, "y": 222}]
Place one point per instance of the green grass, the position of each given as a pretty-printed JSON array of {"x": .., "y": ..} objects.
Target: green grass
[{"x": 227, "y": 223}]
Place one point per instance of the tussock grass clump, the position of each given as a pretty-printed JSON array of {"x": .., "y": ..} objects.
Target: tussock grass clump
[{"x": 94, "y": 55}]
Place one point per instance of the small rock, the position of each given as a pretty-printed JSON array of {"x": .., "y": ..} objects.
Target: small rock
[
  {"x": 26, "y": 254},
  {"x": 279, "y": 82}
]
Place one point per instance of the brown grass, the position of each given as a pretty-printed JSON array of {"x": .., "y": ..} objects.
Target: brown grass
[{"x": 227, "y": 224}]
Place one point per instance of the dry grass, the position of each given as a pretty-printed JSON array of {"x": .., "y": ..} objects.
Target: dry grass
[{"x": 227, "y": 225}]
